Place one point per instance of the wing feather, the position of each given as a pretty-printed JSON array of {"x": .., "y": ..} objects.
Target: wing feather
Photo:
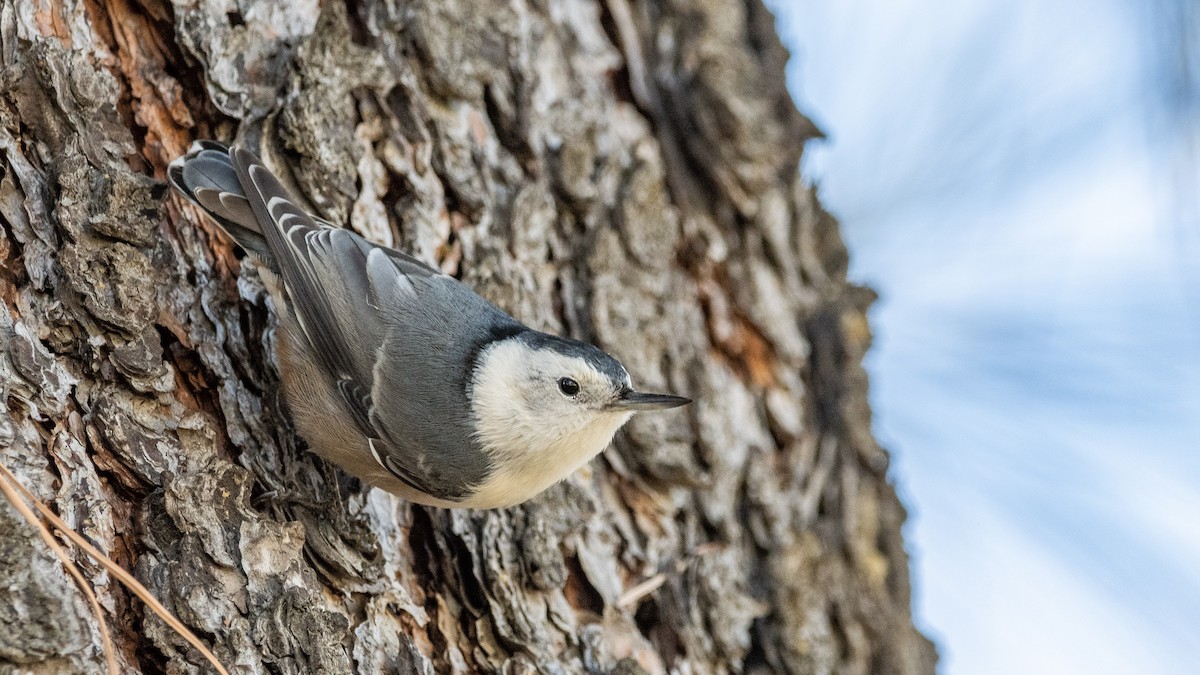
[{"x": 395, "y": 336}]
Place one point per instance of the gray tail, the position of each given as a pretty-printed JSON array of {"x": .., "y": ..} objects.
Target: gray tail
[{"x": 206, "y": 177}]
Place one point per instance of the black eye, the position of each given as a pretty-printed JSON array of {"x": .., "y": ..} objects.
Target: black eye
[{"x": 568, "y": 386}]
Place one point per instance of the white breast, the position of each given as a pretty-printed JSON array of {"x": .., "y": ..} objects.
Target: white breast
[{"x": 522, "y": 475}]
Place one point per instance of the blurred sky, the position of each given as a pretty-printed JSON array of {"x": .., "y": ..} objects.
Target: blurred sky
[{"x": 1018, "y": 179}]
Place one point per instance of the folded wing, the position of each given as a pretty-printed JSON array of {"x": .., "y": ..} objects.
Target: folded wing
[{"x": 393, "y": 335}]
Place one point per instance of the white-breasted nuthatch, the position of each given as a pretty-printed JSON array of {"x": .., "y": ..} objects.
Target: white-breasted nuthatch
[{"x": 400, "y": 374}]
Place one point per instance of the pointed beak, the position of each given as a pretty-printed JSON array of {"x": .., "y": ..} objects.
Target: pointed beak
[{"x": 637, "y": 401}]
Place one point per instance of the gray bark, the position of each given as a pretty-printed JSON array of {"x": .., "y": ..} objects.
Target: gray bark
[{"x": 620, "y": 171}]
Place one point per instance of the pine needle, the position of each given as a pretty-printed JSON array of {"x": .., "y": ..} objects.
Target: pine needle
[
  {"x": 113, "y": 568},
  {"x": 68, "y": 565}
]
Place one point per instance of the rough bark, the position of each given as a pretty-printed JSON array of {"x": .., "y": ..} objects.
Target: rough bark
[{"x": 623, "y": 172}]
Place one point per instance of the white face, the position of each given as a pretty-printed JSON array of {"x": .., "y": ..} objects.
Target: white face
[{"x": 540, "y": 414}]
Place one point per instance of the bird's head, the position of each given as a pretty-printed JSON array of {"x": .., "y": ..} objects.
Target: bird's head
[{"x": 552, "y": 398}]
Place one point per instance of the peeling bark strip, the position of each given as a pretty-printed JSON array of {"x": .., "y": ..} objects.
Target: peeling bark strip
[{"x": 620, "y": 171}]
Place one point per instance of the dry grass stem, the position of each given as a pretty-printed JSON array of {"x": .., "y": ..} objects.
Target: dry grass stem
[
  {"x": 113, "y": 568},
  {"x": 6, "y": 486}
]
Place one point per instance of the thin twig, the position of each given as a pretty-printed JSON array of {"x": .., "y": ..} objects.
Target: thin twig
[
  {"x": 644, "y": 588},
  {"x": 119, "y": 573},
  {"x": 641, "y": 590},
  {"x": 23, "y": 508}
]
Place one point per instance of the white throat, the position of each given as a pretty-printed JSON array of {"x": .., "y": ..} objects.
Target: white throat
[{"x": 531, "y": 446}]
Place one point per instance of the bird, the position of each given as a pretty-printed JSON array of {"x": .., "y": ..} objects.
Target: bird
[{"x": 400, "y": 374}]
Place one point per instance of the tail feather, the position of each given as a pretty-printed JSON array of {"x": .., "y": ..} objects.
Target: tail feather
[
  {"x": 210, "y": 168},
  {"x": 206, "y": 177}
]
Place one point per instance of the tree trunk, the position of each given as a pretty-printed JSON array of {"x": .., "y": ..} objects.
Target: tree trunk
[{"x": 621, "y": 171}]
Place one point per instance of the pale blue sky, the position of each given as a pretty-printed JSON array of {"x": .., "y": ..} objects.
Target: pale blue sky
[{"x": 1018, "y": 179}]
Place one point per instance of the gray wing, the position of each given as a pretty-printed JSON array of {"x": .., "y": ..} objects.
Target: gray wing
[
  {"x": 395, "y": 337},
  {"x": 206, "y": 177}
]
